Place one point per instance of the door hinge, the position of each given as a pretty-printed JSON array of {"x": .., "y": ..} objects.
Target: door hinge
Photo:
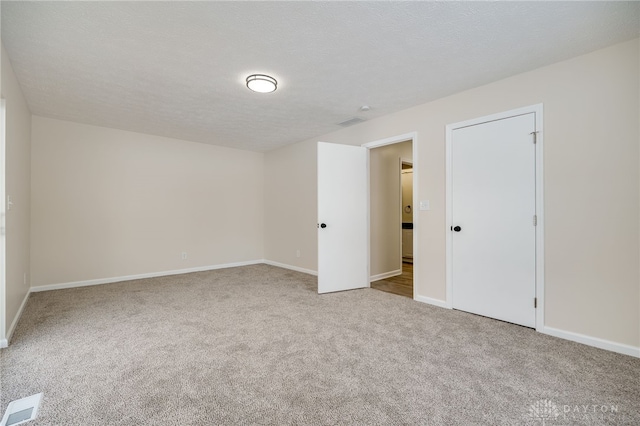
[
  {"x": 535, "y": 220},
  {"x": 535, "y": 302},
  {"x": 535, "y": 137}
]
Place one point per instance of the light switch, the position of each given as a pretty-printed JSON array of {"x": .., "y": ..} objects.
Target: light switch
[{"x": 424, "y": 205}]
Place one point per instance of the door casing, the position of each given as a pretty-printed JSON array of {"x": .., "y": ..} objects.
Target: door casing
[
  {"x": 3, "y": 224},
  {"x": 539, "y": 231}
]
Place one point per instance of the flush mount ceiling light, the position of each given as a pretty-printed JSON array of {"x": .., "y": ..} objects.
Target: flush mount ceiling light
[{"x": 262, "y": 83}]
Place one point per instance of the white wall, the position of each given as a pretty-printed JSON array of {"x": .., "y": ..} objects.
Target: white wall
[
  {"x": 18, "y": 177},
  {"x": 291, "y": 223},
  {"x": 109, "y": 203},
  {"x": 592, "y": 185},
  {"x": 385, "y": 206}
]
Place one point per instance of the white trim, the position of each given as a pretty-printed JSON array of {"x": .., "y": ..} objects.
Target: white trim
[
  {"x": 3, "y": 223},
  {"x": 392, "y": 140},
  {"x": 593, "y": 341},
  {"x": 540, "y": 216},
  {"x": 384, "y": 275},
  {"x": 435, "y": 302},
  {"x": 291, "y": 267},
  {"x": 414, "y": 161},
  {"x": 99, "y": 281},
  {"x": 538, "y": 111},
  {"x": 448, "y": 211},
  {"x": 537, "y": 108},
  {"x": 400, "y": 208},
  {"x": 368, "y": 210},
  {"x": 413, "y": 137},
  {"x": 5, "y": 342}
]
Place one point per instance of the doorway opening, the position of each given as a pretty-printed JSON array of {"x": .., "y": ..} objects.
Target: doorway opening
[
  {"x": 406, "y": 188},
  {"x": 392, "y": 185}
]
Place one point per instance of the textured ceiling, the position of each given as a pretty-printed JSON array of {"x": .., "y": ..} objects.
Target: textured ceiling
[{"x": 177, "y": 69}]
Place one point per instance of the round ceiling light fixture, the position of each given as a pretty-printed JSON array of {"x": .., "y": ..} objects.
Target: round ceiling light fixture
[{"x": 262, "y": 83}]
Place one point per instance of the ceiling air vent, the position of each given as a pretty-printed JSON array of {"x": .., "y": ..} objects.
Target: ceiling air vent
[{"x": 351, "y": 121}]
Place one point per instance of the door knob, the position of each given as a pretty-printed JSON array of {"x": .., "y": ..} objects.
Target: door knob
[
  {"x": 323, "y": 225},
  {"x": 457, "y": 228}
]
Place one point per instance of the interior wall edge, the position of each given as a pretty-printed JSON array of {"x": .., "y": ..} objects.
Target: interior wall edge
[{"x": 15, "y": 321}]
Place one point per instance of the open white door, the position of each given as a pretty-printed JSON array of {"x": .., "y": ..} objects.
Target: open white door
[{"x": 343, "y": 255}]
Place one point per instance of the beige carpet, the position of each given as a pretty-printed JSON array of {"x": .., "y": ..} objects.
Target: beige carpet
[{"x": 257, "y": 345}]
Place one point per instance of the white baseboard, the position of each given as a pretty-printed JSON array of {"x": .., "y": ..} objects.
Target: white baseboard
[
  {"x": 385, "y": 275},
  {"x": 5, "y": 342},
  {"x": 435, "y": 302},
  {"x": 140, "y": 276},
  {"x": 593, "y": 341},
  {"x": 293, "y": 268}
]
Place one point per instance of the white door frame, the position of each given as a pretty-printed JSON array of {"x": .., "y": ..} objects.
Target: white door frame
[
  {"x": 539, "y": 282},
  {"x": 3, "y": 226},
  {"x": 413, "y": 137}
]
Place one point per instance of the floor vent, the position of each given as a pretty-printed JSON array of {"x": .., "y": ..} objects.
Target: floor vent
[
  {"x": 351, "y": 121},
  {"x": 21, "y": 410}
]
